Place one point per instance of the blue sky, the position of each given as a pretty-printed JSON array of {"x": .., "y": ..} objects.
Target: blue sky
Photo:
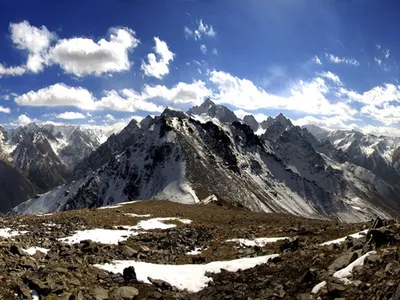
[{"x": 332, "y": 63}]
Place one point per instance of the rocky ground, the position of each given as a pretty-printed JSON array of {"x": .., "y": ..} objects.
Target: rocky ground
[{"x": 68, "y": 269}]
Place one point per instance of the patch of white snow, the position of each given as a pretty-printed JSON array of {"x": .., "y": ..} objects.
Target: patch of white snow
[{"x": 189, "y": 277}]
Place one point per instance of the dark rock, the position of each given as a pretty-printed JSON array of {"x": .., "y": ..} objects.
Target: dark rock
[
  {"x": 160, "y": 284},
  {"x": 309, "y": 276},
  {"x": 129, "y": 274},
  {"x": 128, "y": 251},
  {"x": 291, "y": 244}
]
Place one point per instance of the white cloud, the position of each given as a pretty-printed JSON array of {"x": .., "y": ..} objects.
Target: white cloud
[
  {"x": 83, "y": 56},
  {"x": 158, "y": 67},
  {"x": 23, "y": 120},
  {"x": 35, "y": 40},
  {"x": 303, "y": 96},
  {"x": 215, "y": 51},
  {"x": 126, "y": 100},
  {"x": 188, "y": 32},
  {"x": 331, "y": 76},
  {"x": 342, "y": 60},
  {"x": 58, "y": 95},
  {"x": 336, "y": 123},
  {"x": 329, "y": 123},
  {"x": 182, "y": 93},
  {"x": 386, "y": 114},
  {"x": 11, "y": 71},
  {"x": 204, "y": 30},
  {"x": 70, "y": 115},
  {"x": 240, "y": 113},
  {"x": 378, "y": 61},
  {"x": 203, "y": 49},
  {"x": 317, "y": 60},
  {"x": 109, "y": 117},
  {"x": 5, "y": 110},
  {"x": 386, "y": 53},
  {"x": 375, "y": 96}
]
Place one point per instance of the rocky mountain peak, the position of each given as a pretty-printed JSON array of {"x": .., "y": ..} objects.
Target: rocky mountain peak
[{"x": 252, "y": 122}]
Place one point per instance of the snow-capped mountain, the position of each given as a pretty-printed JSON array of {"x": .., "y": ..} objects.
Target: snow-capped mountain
[
  {"x": 114, "y": 145},
  {"x": 46, "y": 154},
  {"x": 377, "y": 154},
  {"x": 184, "y": 158},
  {"x": 209, "y": 108}
]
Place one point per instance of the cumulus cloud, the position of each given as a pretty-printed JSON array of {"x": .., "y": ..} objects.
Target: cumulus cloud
[
  {"x": 70, "y": 115},
  {"x": 5, "y": 110},
  {"x": 240, "y": 113},
  {"x": 11, "y": 71},
  {"x": 126, "y": 100},
  {"x": 35, "y": 40},
  {"x": 215, "y": 51},
  {"x": 158, "y": 66},
  {"x": 23, "y": 120},
  {"x": 58, "y": 95},
  {"x": 182, "y": 93},
  {"x": 331, "y": 76},
  {"x": 342, "y": 60},
  {"x": 78, "y": 56},
  {"x": 303, "y": 96},
  {"x": 84, "y": 56},
  {"x": 203, "y": 49}
]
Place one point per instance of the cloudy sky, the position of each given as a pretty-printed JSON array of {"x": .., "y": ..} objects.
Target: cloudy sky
[{"x": 331, "y": 63}]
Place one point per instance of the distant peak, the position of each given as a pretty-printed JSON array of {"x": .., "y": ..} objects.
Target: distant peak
[{"x": 208, "y": 101}]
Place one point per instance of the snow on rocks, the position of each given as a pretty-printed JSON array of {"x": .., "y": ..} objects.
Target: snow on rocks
[
  {"x": 103, "y": 236},
  {"x": 342, "y": 274},
  {"x": 33, "y": 250},
  {"x": 318, "y": 287},
  {"x": 189, "y": 277},
  {"x": 8, "y": 232},
  {"x": 196, "y": 251},
  {"x": 260, "y": 242},
  {"x": 156, "y": 223},
  {"x": 137, "y": 215},
  {"x": 113, "y": 236},
  {"x": 356, "y": 235}
]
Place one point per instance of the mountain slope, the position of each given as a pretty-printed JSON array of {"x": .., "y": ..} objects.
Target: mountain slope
[
  {"x": 114, "y": 145},
  {"x": 14, "y": 187},
  {"x": 184, "y": 160}
]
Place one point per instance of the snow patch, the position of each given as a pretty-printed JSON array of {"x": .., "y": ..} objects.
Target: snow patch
[
  {"x": 319, "y": 286},
  {"x": 137, "y": 216},
  {"x": 8, "y": 232},
  {"x": 357, "y": 235},
  {"x": 196, "y": 251},
  {"x": 260, "y": 242},
  {"x": 189, "y": 277},
  {"x": 342, "y": 274},
  {"x": 103, "y": 236},
  {"x": 32, "y": 250}
]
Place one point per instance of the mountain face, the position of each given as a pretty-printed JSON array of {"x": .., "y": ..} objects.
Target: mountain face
[
  {"x": 14, "y": 187},
  {"x": 252, "y": 122},
  {"x": 114, "y": 145},
  {"x": 220, "y": 112},
  {"x": 375, "y": 153},
  {"x": 182, "y": 159}
]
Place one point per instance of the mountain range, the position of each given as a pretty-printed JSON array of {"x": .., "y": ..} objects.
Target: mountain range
[
  {"x": 209, "y": 153},
  {"x": 205, "y": 153}
]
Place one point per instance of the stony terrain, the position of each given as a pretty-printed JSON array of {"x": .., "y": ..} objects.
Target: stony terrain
[{"x": 71, "y": 270}]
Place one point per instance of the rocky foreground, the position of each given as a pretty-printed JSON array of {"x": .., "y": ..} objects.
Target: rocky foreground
[{"x": 165, "y": 250}]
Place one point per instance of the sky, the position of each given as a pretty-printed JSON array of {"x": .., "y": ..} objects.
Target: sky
[{"x": 331, "y": 63}]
